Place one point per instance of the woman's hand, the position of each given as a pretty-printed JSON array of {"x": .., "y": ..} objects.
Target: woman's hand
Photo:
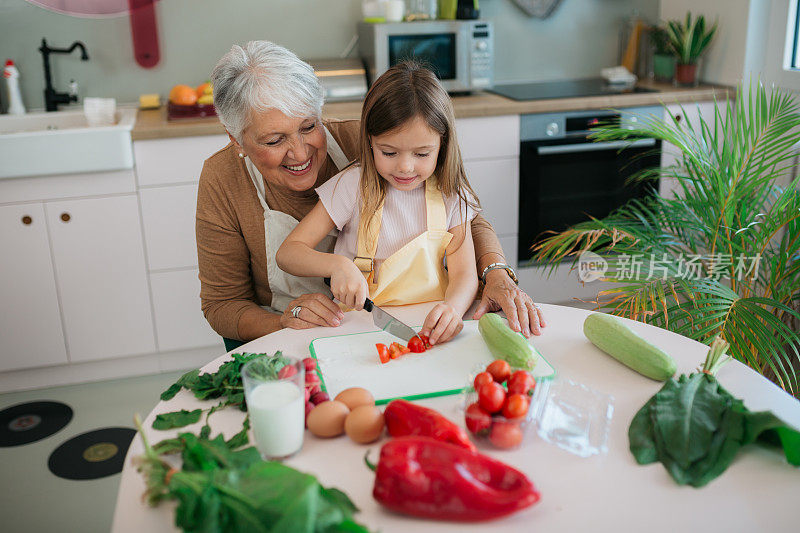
[
  {"x": 348, "y": 284},
  {"x": 501, "y": 293},
  {"x": 442, "y": 323},
  {"x": 316, "y": 309}
]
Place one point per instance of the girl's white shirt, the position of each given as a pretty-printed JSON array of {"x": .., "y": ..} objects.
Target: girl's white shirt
[{"x": 403, "y": 214}]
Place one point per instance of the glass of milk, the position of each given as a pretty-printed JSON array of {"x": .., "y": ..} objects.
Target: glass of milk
[{"x": 276, "y": 403}]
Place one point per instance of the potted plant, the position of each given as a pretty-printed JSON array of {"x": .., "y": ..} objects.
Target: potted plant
[
  {"x": 663, "y": 54},
  {"x": 723, "y": 255},
  {"x": 688, "y": 41}
]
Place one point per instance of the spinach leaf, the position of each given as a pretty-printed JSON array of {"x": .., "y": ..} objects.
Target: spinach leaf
[{"x": 176, "y": 419}]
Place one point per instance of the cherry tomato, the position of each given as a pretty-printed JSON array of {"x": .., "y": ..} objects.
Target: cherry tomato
[
  {"x": 500, "y": 370},
  {"x": 320, "y": 397},
  {"x": 477, "y": 419},
  {"x": 287, "y": 372},
  {"x": 516, "y": 406},
  {"x": 482, "y": 379},
  {"x": 416, "y": 345},
  {"x": 394, "y": 351},
  {"x": 425, "y": 340},
  {"x": 505, "y": 434},
  {"x": 521, "y": 382},
  {"x": 310, "y": 364},
  {"x": 491, "y": 397},
  {"x": 383, "y": 352},
  {"x": 312, "y": 379}
]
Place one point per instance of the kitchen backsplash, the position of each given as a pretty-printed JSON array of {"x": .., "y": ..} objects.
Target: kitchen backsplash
[{"x": 576, "y": 41}]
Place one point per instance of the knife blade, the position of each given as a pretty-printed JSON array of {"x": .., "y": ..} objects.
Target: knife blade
[
  {"x": 385, "y": 321},
  {"x": 389, "y": 323}
]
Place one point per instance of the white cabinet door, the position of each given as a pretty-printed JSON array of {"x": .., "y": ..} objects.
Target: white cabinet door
[
  {"x": 102, "y": 278},
  {"x": 30, "y": 324},
  {"x": 168, "y": 216},
  {"x": 179, "y": 160},
  {"x": 488, "y": 137},
  {"x": 496, "y": 182},
  {"x": 180, "y": 323}
]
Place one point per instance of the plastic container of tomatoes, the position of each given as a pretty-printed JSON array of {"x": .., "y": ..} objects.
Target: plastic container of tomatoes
[{"x": 498, "y": 405}]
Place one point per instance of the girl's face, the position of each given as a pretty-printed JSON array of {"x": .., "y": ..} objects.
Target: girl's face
[
  {"x": 406, "y": 156},
  {"x": 287, "y": 151}
]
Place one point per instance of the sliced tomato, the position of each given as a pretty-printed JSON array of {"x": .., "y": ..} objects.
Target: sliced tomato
[
  {"x": 425, "y": 340},
  {"x": 416, "y": 345},
  {"x": 394, "y": 351},
  {"x": 383, "y": 352},
  {"x": 399, "y": 347}
]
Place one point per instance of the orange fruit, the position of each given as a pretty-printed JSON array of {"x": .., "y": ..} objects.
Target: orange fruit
[
  {"x": 183, "y": 95},
  {"x": 203, "y": 88}
]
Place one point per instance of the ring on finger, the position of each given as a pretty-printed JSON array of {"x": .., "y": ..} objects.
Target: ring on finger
[{"x": 296, "y": 310}]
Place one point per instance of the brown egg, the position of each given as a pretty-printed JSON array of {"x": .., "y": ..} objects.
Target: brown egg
[
  {"x": 364, "y": 424},
  {"x": 327, "y": 419},
  {"x": 354, "y": 397}
]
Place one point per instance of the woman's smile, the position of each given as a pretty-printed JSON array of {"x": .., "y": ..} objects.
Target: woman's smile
[{"x": 299, "y": 170}]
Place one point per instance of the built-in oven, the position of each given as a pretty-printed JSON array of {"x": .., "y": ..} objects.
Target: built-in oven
[{"x": 565, "y": 177}]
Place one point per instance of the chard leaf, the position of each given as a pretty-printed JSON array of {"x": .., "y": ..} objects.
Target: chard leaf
[{"x": 176, "y": 419}]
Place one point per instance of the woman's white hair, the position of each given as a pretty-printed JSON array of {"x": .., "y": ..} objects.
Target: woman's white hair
[{"x": 262, "y": 75}]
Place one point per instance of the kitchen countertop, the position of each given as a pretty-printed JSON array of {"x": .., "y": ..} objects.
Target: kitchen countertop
[
  {"x": 601, "y": 493},
  {"x": 153, "y": 124}
]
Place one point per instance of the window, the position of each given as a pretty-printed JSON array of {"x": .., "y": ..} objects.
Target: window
[{"x": 794, "y": 35}]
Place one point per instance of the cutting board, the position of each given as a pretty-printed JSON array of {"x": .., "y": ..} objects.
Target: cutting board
[{"x": 346, "y": 361}]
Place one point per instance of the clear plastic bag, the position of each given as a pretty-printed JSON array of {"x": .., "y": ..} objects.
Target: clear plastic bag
[{"x": 572, "y": 416}]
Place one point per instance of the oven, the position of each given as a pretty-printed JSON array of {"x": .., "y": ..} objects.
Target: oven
[{"x": 565, "y": 177}]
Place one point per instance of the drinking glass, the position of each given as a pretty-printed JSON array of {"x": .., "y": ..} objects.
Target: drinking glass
[{"x": 276, "y": 404}]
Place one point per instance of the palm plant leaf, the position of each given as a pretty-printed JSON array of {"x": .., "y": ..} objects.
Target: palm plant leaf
[{"x": 723, "y": 256}]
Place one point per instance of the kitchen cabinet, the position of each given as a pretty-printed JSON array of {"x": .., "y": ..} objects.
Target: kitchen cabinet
[
  {"x": 180, "y": 323},
  {"x": 168, "y": 220},
  {"x": 98, "y": 255},
  {"x": 30, "y": 325}
]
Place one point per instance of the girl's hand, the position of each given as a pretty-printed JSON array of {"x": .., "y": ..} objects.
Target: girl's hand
[
  {"x": 349, "y": 285},
  {"x": 442, "y": 323}
]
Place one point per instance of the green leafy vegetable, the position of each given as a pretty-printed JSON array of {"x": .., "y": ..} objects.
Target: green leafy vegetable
[
  {"x": 176, "y": 419},
  {"x": 222, "y": 490},
  {"x": 225, "y": 382},
  {"x": 695, "y": 427}
]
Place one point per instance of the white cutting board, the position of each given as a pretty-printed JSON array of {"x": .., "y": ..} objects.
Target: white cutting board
[{"x": 346, "y": 361}]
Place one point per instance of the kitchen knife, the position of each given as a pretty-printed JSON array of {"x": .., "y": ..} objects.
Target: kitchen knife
[{"x": 385, "y": 321}]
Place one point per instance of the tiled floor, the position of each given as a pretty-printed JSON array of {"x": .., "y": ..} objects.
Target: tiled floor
[{"x": 35, "y": 500}]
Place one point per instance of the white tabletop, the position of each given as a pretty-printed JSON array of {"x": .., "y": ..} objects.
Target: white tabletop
[{"x": 609, "y": 492}]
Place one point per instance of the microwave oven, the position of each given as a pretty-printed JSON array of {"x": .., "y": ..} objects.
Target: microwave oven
[{"x": 460, "y": 52}]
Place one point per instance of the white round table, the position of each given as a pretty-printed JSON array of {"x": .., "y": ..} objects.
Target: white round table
[{"x": 607, "y": 492}]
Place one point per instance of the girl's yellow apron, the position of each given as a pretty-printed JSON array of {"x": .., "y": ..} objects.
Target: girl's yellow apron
[{"x": 415, "y": 273}]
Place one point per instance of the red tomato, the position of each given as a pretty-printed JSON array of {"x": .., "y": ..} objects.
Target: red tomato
[
  {"x": 287, "y": 372},
  {"x": 516, "y": 406},
  {"x": 482, "y": 379},
  {"x": 477, "y": 419},
  {"x": 500, "y": 370},
  {"x": 310, "y": 364},
  {"x": 521, "y": 382},
  {"x": 312, "y": 379},
  {"x": 505, "y": 434},
  {"x": 491, "y": 397},
  {"x": 416, "y": 345},
  {"x": 425, "y": 340},
  {"x": 383, "y": 352},
  {"x": 394, "y": 350}
]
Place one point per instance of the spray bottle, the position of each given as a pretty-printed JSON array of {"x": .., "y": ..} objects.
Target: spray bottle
[{"x": 11, "y": 75}]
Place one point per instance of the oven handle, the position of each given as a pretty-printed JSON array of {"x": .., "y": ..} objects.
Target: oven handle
[{"x": 592, "y": 147}]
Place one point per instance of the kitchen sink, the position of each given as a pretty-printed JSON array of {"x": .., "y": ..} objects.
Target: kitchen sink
[{"x": 63, "y": 142}]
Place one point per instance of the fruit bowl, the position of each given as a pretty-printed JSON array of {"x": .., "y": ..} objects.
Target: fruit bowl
[
  {"x": 177, "y": 111},
  {"x": 498, "y": 405}
]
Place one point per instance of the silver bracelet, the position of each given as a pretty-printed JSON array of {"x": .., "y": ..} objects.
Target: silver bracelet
[{"x": 497, "y": 266}]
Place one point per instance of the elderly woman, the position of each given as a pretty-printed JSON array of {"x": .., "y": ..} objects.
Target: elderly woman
[{"x": 253, "y": 192}]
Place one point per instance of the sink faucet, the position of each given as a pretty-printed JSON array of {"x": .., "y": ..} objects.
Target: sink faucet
[{"x": 51, "y": 97}]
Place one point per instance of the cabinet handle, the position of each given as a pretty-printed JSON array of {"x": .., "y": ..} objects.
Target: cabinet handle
[
  {"x": 27, "y": 220},
  {"x": 65, "y": 217},
  {"x": 678, "y": 118}
]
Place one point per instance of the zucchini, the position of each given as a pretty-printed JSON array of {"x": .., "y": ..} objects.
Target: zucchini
[
  {"x": 507, "y": 344},
  {"x": 610, "y": 334}
]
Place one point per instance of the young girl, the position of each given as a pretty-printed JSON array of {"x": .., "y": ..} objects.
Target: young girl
[{"x": 403, "y": 208}]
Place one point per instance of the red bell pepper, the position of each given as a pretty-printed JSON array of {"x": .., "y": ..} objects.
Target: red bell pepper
[
  {"x": 405, "y": 418},
  {"x": 427, "y": 478}
]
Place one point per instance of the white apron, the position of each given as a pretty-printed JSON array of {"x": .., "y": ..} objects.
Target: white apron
[{"x": 277, "y": 226}]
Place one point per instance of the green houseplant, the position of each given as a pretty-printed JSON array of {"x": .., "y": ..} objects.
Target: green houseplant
[
  {"x": 726, "y": 248},
  {"x": 689, "y": 39},
  {"x": 663, "y": 55}
]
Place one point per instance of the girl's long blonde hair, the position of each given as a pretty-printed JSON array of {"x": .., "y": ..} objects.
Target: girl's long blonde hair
[{"x": 406, "y": 91}]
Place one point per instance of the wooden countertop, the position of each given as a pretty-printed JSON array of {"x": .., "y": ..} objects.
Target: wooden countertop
[{"x": 153, "y": 124}]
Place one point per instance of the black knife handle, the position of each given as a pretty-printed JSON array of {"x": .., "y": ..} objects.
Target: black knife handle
[{"x": 368, "y": 305}]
